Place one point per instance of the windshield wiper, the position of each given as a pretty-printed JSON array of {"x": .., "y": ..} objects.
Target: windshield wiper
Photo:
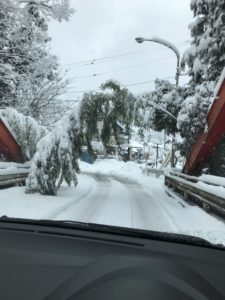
[{"x": 122, "y": 231}]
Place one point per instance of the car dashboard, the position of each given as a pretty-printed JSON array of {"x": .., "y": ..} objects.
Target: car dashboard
[{"x": 45, "y": 262}]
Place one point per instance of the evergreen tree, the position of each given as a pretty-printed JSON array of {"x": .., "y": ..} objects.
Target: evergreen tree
[
  {"x": 192, "y": 117},
  {"x": 159, "y": 109},
  {"x": 205, "y": 58},
  {"x": 56, "y": 156}
]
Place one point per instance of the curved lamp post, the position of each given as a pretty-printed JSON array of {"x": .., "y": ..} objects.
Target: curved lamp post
[
  {"x": 168, "y": 45},
  {"x": 177, "y": 53}
]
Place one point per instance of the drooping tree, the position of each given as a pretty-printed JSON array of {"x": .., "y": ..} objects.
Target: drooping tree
[
  {"x": 56, "y": 156},
  {"x": 58, "y": 152},
  {"x": 112, "y": 106}
]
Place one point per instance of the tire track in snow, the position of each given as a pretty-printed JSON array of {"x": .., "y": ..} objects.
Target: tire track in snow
[
  {"x": 120, "y": 202},
  {"x": 64, "y": 208},
  {"x": 161, "y": 195},
  {"x": 89, "y": 203},
  {"x": 149, "y": 214}
]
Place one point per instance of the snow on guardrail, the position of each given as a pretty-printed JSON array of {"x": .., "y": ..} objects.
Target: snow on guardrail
[
  {"x": 203, "y": 191},
  {"x": 152, "y": 171},
  {"x": 13, "y": 173}
]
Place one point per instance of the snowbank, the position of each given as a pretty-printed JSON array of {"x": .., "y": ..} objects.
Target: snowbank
[
  {"x": 113, "y": 167},
  {"x": 15, "y": 203},
  {"x": 7, "y": 168}
]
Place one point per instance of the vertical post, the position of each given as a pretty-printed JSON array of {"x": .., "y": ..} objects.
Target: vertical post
[
  {"x": 164, "y": 140},
  {"x": 129, "y": 149},
  {"x": 157, "y": 154},
  {"x": 173, "y": 137}
]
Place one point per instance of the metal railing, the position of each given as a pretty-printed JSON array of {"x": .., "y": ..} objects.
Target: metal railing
[
  {"x": 186, "y": 187},
  {"x": 152, "y": 171},
  {"x": 13, "y": 179}
]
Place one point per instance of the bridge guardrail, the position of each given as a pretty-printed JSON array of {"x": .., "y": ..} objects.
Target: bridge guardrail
[
  {"x": 152, "y": 171},
  {"x": 13, "y": 179},
  {"x": 186, "y": 187}
]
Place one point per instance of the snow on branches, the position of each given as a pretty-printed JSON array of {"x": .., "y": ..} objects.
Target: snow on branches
[
  {"x": 30, "y": 79},
  {"x": 58, "y": 151},
  {"x": 192, "y": 117},
  {"x": 26, "y": 130},
  {"x": 56, "y": 156},
  {"x": 206, "y": 55}
]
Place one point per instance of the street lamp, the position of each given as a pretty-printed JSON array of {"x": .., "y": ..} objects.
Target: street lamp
[
  {"x": 168, "y": 45},
  {"x": 177, "y": 53}
]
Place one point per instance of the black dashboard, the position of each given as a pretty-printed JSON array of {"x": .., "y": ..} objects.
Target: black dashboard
[{"x": 44, "y": 262}]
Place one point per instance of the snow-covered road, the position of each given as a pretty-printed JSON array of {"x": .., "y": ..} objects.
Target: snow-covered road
[
  {"x": 115, "y": 193},
  {"x": 119, "y": 201}
]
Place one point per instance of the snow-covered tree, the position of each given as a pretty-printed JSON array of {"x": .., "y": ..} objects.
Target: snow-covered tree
[
  {"x": 115, "y": 104},
  {"x": 7, "y": 73},
  {"x": 192, "y": 117},
  {"x": 159, "y": 109},
  {"x": 56, "y": 156},
  {"x": 205, "y": 60},
  {"x": 206, "y": 56},
  {"x": 25, "y": 129},
  {"x": 58, "y": 151},
  {"x": 29, "y": 74}
]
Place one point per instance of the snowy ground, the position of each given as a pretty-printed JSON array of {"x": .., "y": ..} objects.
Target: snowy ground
[{"x": 115, "y": 193}]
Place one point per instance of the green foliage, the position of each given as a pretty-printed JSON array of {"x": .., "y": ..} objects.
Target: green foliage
[
  {"x": 159, "y": 109},
  {"x": 56, "y": 157},
  {"x": 58, "y": 151},
  {"x": 108, "y": 108}
]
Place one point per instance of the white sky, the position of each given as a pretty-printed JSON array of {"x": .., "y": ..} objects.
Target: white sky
[{"x": 103, "y": 28}]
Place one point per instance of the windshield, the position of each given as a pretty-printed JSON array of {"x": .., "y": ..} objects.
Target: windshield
[{"x": 112, "y": 113}]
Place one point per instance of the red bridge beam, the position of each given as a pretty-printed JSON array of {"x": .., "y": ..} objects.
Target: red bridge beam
[
  {"x": 9, "y": 146},
  {"x": 206, "y": 142}
]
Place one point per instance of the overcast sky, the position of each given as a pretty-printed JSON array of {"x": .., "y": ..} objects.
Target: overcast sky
[{"x": 107, "y": 28}]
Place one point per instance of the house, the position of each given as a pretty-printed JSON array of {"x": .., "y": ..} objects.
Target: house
[
  {"x": 208, "y": 140},
  {"x": 10, "y": 150}
]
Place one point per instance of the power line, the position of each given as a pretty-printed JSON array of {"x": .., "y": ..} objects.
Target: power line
[
  {"x": 126, "y": 85},
  {"x": 123, "y": 69},
  {"x": 95, "y": 60},
  {"x": 118, "y": 56},
  {"x": 149, "y": 81}
]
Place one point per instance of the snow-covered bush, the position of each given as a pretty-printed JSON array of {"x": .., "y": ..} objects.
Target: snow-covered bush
[
  {"x": 25, "y": 129},
  {"x": 56, "y": 156}
]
